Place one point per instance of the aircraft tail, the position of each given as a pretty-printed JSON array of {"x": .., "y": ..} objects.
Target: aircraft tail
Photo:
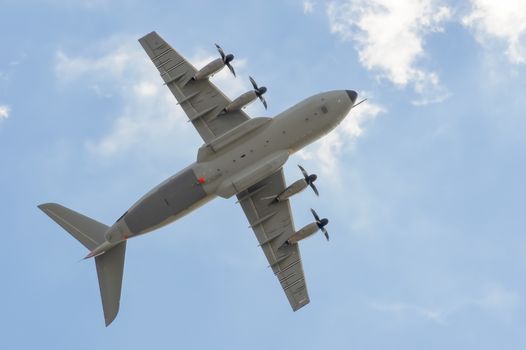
[{"x": 110, "y": 263}]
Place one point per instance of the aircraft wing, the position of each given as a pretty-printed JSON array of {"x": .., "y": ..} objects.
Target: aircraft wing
[
  {"x": 270, "y": 220},
  {"x": 201, "y": 100}
]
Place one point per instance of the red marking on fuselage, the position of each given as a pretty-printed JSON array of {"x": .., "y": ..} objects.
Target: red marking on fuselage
[{"x": 201, "y": 180}]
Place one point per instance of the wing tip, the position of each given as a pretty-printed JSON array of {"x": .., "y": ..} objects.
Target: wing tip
[
  {"x": 141, "y": 39},
  {"x": 109, "y": 318},
  {"x": 44, "y": 206},
  {"x": 300, "y": 304},
  {"x": 49, "y": 208}
]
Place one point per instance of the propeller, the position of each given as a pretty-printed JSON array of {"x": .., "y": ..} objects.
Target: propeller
[
  {"x": 310, "y": 179},
  {"x": 321, "y": 223},
  {"x": 226, "y": 59},
  {"x": 259, "y": 91}
]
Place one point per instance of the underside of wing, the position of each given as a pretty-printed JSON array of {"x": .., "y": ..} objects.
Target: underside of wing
[
  {"x": 271, "y": 221},
  {"x": 201, "y": 100}
]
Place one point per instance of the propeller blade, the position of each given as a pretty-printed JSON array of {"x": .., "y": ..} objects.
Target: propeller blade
[
  {"x": 221, "y": 52},
  {"x": 231, "y": 68},
  {"x": 304, "y": 172},
  {"x": 315, "y": 215},
  {"x": 325, "y": 233},
  {"x": 263, "y": 101},
  {"x": 253, "y": 83},
  {"x": 314, "y": 189}
]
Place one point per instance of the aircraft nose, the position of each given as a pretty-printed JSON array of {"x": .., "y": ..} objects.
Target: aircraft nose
[{"x": 353, "y": 95}]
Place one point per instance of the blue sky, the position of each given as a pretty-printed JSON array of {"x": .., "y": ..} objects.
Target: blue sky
[{"x": 423, "y": 184}]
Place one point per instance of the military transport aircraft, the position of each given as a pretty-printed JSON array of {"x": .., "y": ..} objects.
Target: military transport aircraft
[{"x": 240, "y": 156}]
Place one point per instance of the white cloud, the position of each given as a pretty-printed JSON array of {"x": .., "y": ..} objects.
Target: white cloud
[
  {"x": 389, "y": 37},
  {"x": 4, "y": 111},
  {"x": 327, "y": 151},
  {"x": 149, "y": 119},
  {"x": 308, "y": 6},
  {"x": 402, "y": 310},
  {"x": 495, "y": 300},
  {"x": 353, "y": 124},
  {"x": 111, "y": 65},
  {"x": 498, "y": 299},
  {"x": 504, "y": 20}
]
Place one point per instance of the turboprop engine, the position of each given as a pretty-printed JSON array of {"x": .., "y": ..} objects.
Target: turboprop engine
[
  {"x": 248, "y": 97},
  {"x": 216, "y": 65},
  {"x": 310, "y": 229},
  {"x": 298, "y": 186}
]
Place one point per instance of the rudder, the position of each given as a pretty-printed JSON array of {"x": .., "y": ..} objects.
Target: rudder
[
  {"x": 110, "y": 268},
  {"x": 110, "y": 265}
]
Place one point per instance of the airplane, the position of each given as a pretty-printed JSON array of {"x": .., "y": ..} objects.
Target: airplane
[{"x": 241, "y": 156}]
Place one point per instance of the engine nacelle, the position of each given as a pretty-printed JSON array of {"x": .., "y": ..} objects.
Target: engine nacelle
[
  {"x": 293, "y": 189},
  {"x": 303, "y": 233},
  {"x": 241, "y": 101},
  {"x": 210, "y": 69}
]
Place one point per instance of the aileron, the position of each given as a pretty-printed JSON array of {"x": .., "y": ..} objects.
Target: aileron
[
  {"x": 270, "y": 222},
  {"x": 240, "y": 156},
  {"x": 178, "y": 74}
]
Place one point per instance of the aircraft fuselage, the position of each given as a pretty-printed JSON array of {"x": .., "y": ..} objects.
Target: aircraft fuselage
[{"x": 234, "y": 162}]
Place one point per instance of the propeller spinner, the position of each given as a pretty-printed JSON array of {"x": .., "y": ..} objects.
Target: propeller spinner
[
  {"x": 321, "y": 223},
  {"x": 309, "y": 179},
  {"x": 259, "y": 91},
  {"x": 226, "y": 58}
]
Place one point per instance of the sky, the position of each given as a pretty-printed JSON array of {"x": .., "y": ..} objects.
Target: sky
[{"x": 423, "y": 183}]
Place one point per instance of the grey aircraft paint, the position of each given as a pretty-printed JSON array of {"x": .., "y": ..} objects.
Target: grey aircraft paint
[
  {"x": 286, "y": 133},
  {"x": 170, "y": 199},
  {"x": 241, "y": 156}
]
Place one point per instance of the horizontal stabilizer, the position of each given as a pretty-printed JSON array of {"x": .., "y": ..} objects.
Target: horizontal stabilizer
[
  {"x": 86, "y": 230},
  {"x": 109, "y": 258}
]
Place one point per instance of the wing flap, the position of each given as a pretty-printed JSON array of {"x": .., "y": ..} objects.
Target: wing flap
[
  {"x": 270, "y": 220},
  {"x": 201, "y": 100}
]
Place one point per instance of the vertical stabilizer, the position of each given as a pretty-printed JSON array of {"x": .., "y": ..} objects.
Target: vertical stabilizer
[
  {"x": 110, "y": 264},
  {"x": 110, "y": 267}
]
